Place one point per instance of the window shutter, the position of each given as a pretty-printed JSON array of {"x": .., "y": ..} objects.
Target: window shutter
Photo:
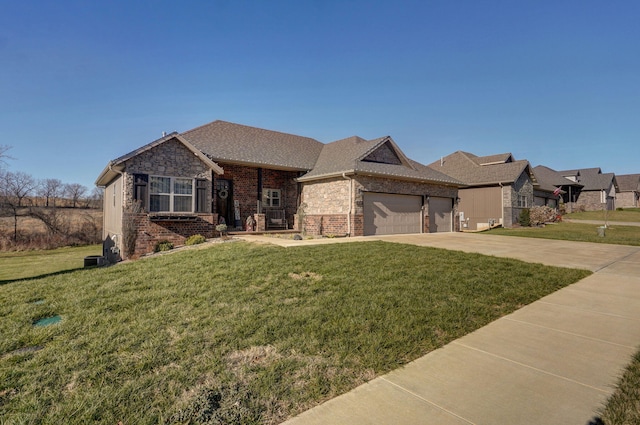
[
  {"x": 140, "y": 184},
  {"x": 201, "y": 195}
]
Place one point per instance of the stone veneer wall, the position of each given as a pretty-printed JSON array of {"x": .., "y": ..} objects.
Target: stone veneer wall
[
  {"x": 627, "y": 200},
  {"x": 522, "y": 186},
  {"x": 170, "y": 159},
  {"x": 327, "y": 202},
  {"x": 590, "y": 200}
]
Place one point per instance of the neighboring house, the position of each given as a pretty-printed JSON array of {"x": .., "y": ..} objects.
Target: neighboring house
[
  {"x": 550, "y": 179},
  {"x": 629, "y": 191},
  {"x": 498, "y": 188},
  {"x": 184, "y": 184},
  {"x": 598, "y": 191}
]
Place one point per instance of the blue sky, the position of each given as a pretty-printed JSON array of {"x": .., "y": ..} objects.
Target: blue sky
[{"x": 555, "y": 82}]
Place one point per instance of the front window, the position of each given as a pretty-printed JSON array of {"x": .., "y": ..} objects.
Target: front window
[
  {"x": 522, "y": 201},
  {"x": 170, "y": 194},
  {"x": 271, "y": 197}
]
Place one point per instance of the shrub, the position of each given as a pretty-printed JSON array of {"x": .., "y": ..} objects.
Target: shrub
[
  {"x": 221, "y": 228},
  {"x": 542, "y": 214},
  {"x": 195, "y": 239},
  {"x": 525, "y": 218},
  {"x": 163, "y": 246}
]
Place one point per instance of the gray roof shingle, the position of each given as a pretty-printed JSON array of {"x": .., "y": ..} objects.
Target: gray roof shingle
[
  {"x": 228, "y": 142},
  {"x": 346, "y": 156},
  {"x": 550, "y": 179},
  {"x": 592, "y": 178},
  {"x": 628, "y": 182},
  {"x": 466, "y": 168}
]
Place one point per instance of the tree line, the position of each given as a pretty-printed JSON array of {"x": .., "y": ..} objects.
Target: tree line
[
  {"x": 21, "y": 189},
  {"x": 22, "y": 195}
]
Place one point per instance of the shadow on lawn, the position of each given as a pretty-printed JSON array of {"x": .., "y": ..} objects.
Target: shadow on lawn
[{"x": 27, "y": 279}]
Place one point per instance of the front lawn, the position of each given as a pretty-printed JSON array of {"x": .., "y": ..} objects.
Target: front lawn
[
  {"x": 627, "y": 214},
  {"x": 239, "y": 332},
  {"x": 26, "y": 264},
  {"x": 620, "y": 235}
]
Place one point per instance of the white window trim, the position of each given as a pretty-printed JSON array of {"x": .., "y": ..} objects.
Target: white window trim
[
  {"x": 172, "y": 194},
  {"x": 267, "y": 198},
  {"x": 523, "y": 201}
]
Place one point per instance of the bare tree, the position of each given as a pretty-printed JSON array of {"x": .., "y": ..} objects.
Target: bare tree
[
  {"x": 75, "y": 191},
  {"x": 14, "y": 187},
  {"x": 3, "y": 154},
  {"x": 97, "y": 195},
  {"x": 50, "y": 190},
  {"x": 18, "y": 186}
]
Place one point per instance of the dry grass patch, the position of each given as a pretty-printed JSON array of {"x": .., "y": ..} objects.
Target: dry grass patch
[{"x": 306, "y": 276}]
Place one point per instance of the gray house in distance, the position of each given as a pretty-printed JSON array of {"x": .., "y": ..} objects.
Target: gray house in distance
[
  {"x": 497, "y": 188},
  {"x": 552, "y": 180},
  {"x": 598, "y": 189},
  {"x": 629, "y": 191}
]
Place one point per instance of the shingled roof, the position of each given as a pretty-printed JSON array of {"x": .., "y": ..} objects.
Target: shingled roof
[
  {"x": 113, "y": 168},
  {"x": 592, "y": 178},
  {"x": 355, "y": 155},
  {"x": 477, "y": 171},
  {"x": 550, "y": 179},
  {"x": 225, "y": 142},
  {"x": 628, "y": 182},
  {"x": 240, "y": 144}
]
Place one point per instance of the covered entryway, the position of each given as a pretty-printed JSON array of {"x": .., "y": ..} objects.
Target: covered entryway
[
  {"x": 440, "y": 214},
  {"x": 388, "y": 214}
]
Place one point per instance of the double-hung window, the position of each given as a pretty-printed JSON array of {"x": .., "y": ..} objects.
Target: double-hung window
[
  {"x": 170, "y": 194},
  {"x": 522, "y": 201},
  {"x": 271, "y": 197}
]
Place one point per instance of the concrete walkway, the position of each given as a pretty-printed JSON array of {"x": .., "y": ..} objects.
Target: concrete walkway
[{"x": 555, "y": 361}]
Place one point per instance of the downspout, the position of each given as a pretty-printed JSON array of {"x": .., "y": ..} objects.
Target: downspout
[
  {"x": 344, "y": 176},
  {"x": 502, "y": 209}
]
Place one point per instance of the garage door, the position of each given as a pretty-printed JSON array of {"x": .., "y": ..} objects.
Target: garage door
[
  {"x": 387, "y": 214},
  {"x": 440, "y": 214}
]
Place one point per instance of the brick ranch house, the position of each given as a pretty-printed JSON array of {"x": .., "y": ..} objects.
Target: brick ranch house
[{"x": 186, "y": 183}]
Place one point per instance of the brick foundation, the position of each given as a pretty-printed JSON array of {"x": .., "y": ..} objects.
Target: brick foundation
[
  {"x": 151, "y": 231},
  {"x": 326, "y": 225}
]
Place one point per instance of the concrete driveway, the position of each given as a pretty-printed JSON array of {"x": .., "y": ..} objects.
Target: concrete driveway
[{"x": 555, "y": 361}]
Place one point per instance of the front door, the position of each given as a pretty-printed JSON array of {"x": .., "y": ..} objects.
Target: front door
[{"x": 224, "y": 200}]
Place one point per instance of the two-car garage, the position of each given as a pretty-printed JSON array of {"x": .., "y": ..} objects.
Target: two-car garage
[{"x": 387, "y": 213}]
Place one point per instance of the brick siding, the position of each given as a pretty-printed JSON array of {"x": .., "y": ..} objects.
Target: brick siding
[
  {"x": 245, "y": 188},
  {"x": 150, "y": 232},
  {"x": 327, "y": 202}
]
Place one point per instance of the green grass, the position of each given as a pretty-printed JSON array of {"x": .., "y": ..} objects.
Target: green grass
[
  {"x": 27, "y": 264},
  {"x": 628, "y": 215},
  {"x": 239, "y": 332},
  {"x": 619, "y": 235},
  {"x": 623, "y": 407}
]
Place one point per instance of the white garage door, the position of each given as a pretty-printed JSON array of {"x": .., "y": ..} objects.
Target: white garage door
[
  {"x": 387, "y": 214},
  {"x": 440, "y": 214}
]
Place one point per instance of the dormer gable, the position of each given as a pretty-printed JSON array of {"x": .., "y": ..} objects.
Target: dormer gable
[
  {"x": 385, "y": 151},
  {"x": 384, "y": 154}
]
